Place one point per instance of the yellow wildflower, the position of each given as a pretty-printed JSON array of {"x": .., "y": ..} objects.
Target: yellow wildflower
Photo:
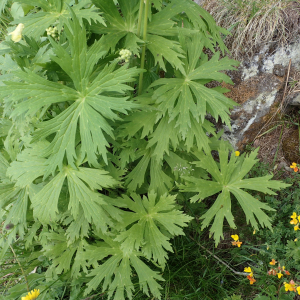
[
  {"x": 295, "y": 240},
  {"x": 298, "y": 290},
  {"x": 279, "y": 275},
  {"x": 237, "y": 153},
  {"x": 251, "y": 279},
  {"x": 294, "y": 222},
  {"x": 294, "y": 215},
  {"x": 273, "y": 262},
  {"x": 237, "y": 243},
  {"x": 290, "y": 286},
  {"x": 16, "y": 35},
  {"x": 248, "y": 270},
  {"x": 32, "y": 295},
  {"x": 293, "y": 166},
  {"x": 235, "y": 237}
]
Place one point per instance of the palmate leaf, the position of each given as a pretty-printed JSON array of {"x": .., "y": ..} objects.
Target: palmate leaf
[
  {"x": 83, "y": 184},
  {"x": 146, "y": 219},
  {"x": 227, "y": 178},
  {"x": 125, "y": 28},
  {"x": 56, "y": 248},
  {"x": 53, "y": 12},
  {"x": 185, "y": 98},
  {"x": 16, "y": 201},
  {"x": 159, "y": 181},
  {"x": 91, "y": 107},
  {"x": 14, "y": 194},
  {"x": 116, "y": 271},
  {"x": 28, "y": 166}
]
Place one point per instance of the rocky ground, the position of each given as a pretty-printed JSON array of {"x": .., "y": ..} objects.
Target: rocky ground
[{"x": 267, "y": 89}]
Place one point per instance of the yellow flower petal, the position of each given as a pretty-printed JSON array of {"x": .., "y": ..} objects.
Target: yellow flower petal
[
  {"x": 294, "y": 215},
  {"x": 237, "y": 153},
  {"x": 273, "y": 262},
  {"x": 32, "y": 295},
  {"x": 248, "y": 270},
  {"x": 235, "y": 237},
  {"x": 294, "y": 222},
  {"x": 279, "y": 275}
]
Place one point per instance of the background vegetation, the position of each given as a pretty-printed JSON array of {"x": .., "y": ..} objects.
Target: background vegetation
[{"x": 197, "y": 269}]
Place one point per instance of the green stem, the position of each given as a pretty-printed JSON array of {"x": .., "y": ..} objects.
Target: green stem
[
  {"x": 76, "y": 1},
  {"x": 141, "y": 10},
  {"x": 16, "y": 258},
  {"x": 144, "y": 46}
]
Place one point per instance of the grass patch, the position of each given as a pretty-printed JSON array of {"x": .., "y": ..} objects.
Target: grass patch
[{"x": 254, "y": 24}]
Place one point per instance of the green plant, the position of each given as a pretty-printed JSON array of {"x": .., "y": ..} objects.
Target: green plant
[
  {"x": 100, "y": 144},
  {"x": 273, "y": 293},
  {"x": 234, "y": 297}
]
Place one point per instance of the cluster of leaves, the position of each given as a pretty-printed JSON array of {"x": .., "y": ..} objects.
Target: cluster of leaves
[{"x": 89, "y": 168}]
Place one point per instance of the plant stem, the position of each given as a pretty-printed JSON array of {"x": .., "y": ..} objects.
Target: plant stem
[
  {"x": 16, "y": 258},
  {"x": 144, "y": 46},
  {"x": 76, "y": 1},
  {"x": 220, "y": 260},
  {"x": 141, "y": 10}
]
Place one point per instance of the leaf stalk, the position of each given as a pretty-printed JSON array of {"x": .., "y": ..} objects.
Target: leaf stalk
[
  {"x": 144, "y": 46},
  {"x": 141, "y": 10}
]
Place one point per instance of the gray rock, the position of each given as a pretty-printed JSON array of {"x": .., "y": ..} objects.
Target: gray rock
[
  {"x": 264, "y": 62},
  {"x": 279, "y": 70},
  {"x": 256, "y": 96},
  {"x": 293, "y": 99}
]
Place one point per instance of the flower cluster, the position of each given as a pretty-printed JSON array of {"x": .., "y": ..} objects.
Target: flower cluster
[
  {"x": 295, "y": 220},
  {"x": 250, "y": 276},
  {"x": 295, "y": 167},
  {"x": 125, "y": 55},
  {"x": 53, "y": 32},
  {"x": 292, "y": 287},
  {"x": 236, "y": 241},
  {"x": 32, "y": 295},
  {"x": 16, "y": 35},
  {"x": 279, "y": 271}
]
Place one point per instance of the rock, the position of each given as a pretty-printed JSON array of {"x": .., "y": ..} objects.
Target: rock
[
  {"x": 293, "y": 99},
  {"x": 256, "y": 96},
  {"x": 257, "y": 91},
  {"x": 266, "y": 62},
  {"x": 279, "y": 70}
]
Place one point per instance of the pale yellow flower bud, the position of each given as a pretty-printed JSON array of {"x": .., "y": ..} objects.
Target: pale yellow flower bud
[{"x": 16, "y": 35}]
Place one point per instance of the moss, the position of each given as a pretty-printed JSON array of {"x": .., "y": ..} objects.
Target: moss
[{"x": 290, "y": 147}]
